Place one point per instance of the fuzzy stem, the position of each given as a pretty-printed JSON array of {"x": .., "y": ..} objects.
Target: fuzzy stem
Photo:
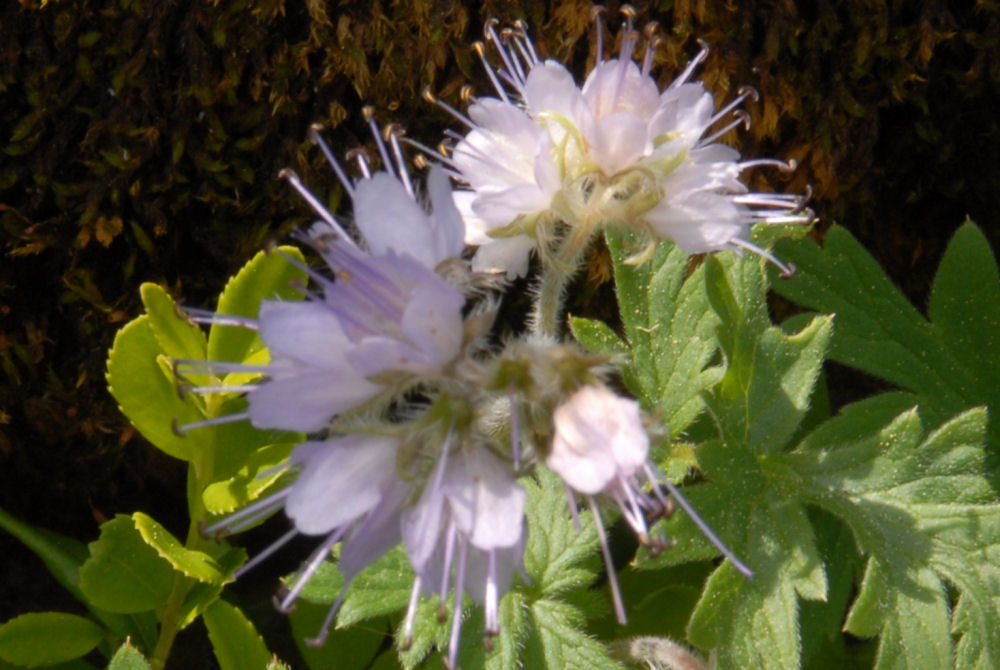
[{"x": 559, "y": 270}]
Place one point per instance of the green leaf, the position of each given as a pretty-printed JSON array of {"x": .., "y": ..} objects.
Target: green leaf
[
  {"x": 235, "y": 641},
  {"x": 177, "y": 337},
  {"x": 190, "y": 562},
  {"x": 128, "y": 658},
  {"x": 669, "y": 327},
  {"x": 596, "y": 336},
  {"x": 351, "y": 648},
  {"x": 63, "y": 556},
  {"x": 147, "y": 395},
  {"x": 267, "y": 276},
  {"x": 951, "y": 362},
  {"x": 558, "y": 642},
  {"x": 47, "y": 638},
  {"x": 259, "y": 473},
  {"x": 921, "y": 510},
  {"x": 123, "y": 573}
]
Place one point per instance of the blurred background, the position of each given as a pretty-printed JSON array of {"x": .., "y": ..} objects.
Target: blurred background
[{"x": 141, "y": 141}]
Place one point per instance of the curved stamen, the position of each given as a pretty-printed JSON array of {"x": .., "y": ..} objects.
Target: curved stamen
[
  {"x": 324, "y": 630},
  {"x": 741, "y": 119},
  {"x": 597, "y": 16},
  {"x": 411, "y": 615},
  {"x": 304, "y": 575},
  {"x": 205, "y": 316},
  {"x": 743, "y": 93},
  {"x": 652, "y": 45},
  {"x": 784, "y": 166},
  {"x": 692, "y": 64},
  {"x": 511, "y": 69},
  {"x": 257, "y": 510},
  {"x": 360, "y": 156},
  {"x": 393, "y": 132}
]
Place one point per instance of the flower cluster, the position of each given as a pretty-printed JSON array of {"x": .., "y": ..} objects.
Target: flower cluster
[{"x": 420, "y": 424}]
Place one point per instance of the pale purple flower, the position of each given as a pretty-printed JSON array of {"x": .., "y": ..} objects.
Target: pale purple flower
[
  {"x": 616, "y": 151},
  {"x": 346, "y": 491},
  {"x": 470, "y": 520},
  {"x": 600, "y": 447},
  {"x": 381, "y": 310}
]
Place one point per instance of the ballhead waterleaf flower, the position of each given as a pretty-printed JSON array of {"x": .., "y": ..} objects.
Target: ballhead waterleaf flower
[
  {"x": 615, "y": 151},
  {"x": 600, "y": 446}
]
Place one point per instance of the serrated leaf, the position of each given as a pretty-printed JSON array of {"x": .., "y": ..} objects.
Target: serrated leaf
[
  {"x": 190, "y": 562},
  {"x": 177, "y": 338},
  {"x": 558, "y": 556},
  {"x": 596, "y": 336},
  {"x": 128, "y": 658},
  {"x": 920, "y": 509},
  {"x": 557, "y": 641},
  {"x": 145, "y": 394},
  {"x": 235, "y": 641},
  {"x": 949, "y": 362},
  {"x": 267, "y": 276},
  {"x": 669, "y": 327},
  {"x": 123, "y": 573},
  {"x": 47, "y": 638}
]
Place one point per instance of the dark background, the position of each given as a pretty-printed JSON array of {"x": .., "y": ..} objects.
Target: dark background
[{"x": 141, "y": 140}]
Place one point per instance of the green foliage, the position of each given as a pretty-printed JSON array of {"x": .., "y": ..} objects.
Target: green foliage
[
  {"x": 47, "y": 638},
  {"x": 234, "y": 639},
  {"x": 128, "y": 658}
]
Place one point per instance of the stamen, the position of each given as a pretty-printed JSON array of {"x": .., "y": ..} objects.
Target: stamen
[
  {"x": 508, "y": 35},
  {"x": 624, "y": 60},
  {"x": 652, "y": 45},
  {"x": 182, "y": 431},
  {"x": 520, "y": 39},
  {"x": 265, "y": 554},
  {"x": 256, "y": 510},
  {"x": 429, "y": 96},
  {"x": 571, "y": 503},
  {"x": 324, "y": 630},
  {"x": 706, "y": 531},
  {"x": 742, "y": 119},
  {"x": 359, "y": 155},
  {"x": 449, "y": 555},
  {"x": 220, "y": 388},
  {"x": 743, "y": 93},
  {"x": 317, "y": 558},
  {"x": 411, "y": 615},
  {"x": 492, "y": 614},
  {"x": 456, "y": 604},
  {"x": 522, "y": 30},
  {"x": 394, "y": 131},
  {"x": 790, "y": 166},
  {"x": 316, "y": 138},
  {"x": 609, "y": 566},
  {"x": 369, "y": 113},
  {"x": 436, "y": 154},
  {"x": 314, "y": 202},
  {"x": 480, "y": 49},
  {"x": 206, "y": 316},
  {"x": 512, "y": 71},
  {"x": 692, "y": 64}
]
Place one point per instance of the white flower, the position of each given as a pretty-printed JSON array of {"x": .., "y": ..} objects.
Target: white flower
[
  {"x": 470, "y": 517},
  {"x": 600, "y": 446},
  {"x": 616, "y": 151}
]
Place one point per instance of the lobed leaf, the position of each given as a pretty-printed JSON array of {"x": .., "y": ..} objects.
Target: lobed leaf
[{"x": 235, "y": 641}]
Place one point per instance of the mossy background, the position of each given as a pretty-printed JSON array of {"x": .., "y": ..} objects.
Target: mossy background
[{"x": 141, "y": 141}]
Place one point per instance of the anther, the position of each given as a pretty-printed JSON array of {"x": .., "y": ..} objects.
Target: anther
[
  {"x": 183, "y": 316},
  {"x": 368, "y": 113},
  {"x": 465, "y": 94},
  {"x": 649, "y": 29},
  {"x": 628, "y": 11},
  {"x": 428, "y": 95},
  {"x": 176, "y": 428},
  {"x": 442, "y": 612},
  {"x": 279, "y": 605},
  {"x": 748, "y": 92},
  {"x": 597, "y": 11},
  {"x": 490, "y": 26},
  {"x": 420, "y": 162}
]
